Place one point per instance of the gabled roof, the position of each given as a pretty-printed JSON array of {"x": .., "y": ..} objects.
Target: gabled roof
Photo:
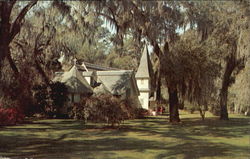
[
  {"x": 117, "y": 82},
  {"x": 101, "y": 89},
  {"x": 145, "y": 68},
  {"x": 75, "y": 82}
]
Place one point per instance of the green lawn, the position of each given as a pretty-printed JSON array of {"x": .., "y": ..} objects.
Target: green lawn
[{"x": 143, "y": 138}]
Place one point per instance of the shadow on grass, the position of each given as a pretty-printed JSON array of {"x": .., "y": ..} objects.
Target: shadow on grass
[
  {"x": 195, "y": 127},
  {"x": 198, "y": 149},
  {"x": 45, "y": 148},
  {"x": 87, "y": 141}
]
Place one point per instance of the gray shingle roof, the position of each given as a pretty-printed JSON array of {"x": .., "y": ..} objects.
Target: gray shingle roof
[
  {"x": 101, "y": 89},
  {"x": 88, "y": 74},
  {"x": 117, "y": 82},
  {"x": 94, "y": 67},
  {"x": 75, "y": 82},
  {"x": 145, "y": 68}
]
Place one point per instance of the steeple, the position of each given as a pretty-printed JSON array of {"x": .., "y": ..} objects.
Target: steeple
[{"x": 145, "y": 67}]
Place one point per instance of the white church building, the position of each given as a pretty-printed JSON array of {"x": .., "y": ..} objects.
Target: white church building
[{"x": 86, "y": 79}]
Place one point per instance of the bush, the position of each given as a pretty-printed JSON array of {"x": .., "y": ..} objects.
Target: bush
[
  {"x": 104, "y": 108},
  {"x": 41, "y": 97},
  {"x": 10, "y": 116},
  {"x": 50, "y": 99},
  {"x": 10, "y": 111},
  {"x": 129, "y": 107},
  {"x": 58, "y": 96},
  {"x": 141, "y": 113}
]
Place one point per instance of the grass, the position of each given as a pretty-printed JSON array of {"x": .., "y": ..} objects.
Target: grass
[{"x": 152, "y": 137}]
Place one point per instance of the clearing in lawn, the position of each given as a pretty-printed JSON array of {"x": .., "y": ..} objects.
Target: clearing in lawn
[{"x": 152, "y": 137}]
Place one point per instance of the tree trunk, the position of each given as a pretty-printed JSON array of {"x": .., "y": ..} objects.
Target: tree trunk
[
  {"x": 159, "y": 53},
  {"x": 8, "y": 31},
  {"x": 12, "y": 63},
  {"x": 223, "y": 104},
  {"x": 173, "y": 105},
  {"x": 42, "y": 73},
  {"x": 4, "y": 29},
  {"x": 158, "y": 88},
  {"x": 202, "y": 113},
  {"x": 230, "y": 65}
]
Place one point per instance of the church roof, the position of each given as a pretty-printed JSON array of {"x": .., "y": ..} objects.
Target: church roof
[
  {"x": 101, "y": 89},
  {"x": 145, "y": 68},
  {"x": 117, "y": 82},
  {"x": 94, "y": 67},
  {"x": 75, "y": 82}
]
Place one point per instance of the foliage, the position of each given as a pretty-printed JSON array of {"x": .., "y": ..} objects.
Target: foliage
[
  {"x": 105, "y": 108},
  {"x": 125, "y": 62},
  {"x": 10, "y": 116},
  {"x": 58, "y": 95},
  {"x": 10, "y": 26},
  {"x": 192, "y": 70},
  {"x": 10, "y": 85},
  {"x": 140, "y": 113},
  {"x": 41, "y": 97},
  {"x": 192, "y": 66},
  {"x": 50, "y": 101},
  {"x": 226, "y": 24},
  {"x": 126, "y": 56}
]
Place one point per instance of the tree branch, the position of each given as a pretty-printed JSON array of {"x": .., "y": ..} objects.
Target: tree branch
[
  {"x": 12, "y": 63},
  {"x": 16, "y": 26}
]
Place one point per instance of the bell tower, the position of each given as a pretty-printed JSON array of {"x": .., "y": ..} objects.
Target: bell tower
[{"x": 143, "y": 78}]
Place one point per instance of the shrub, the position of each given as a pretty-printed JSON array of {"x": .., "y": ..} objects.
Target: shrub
[
  {"x": 50, "y": 100},
  {"x": 104, "y": 108},
  {"x": 58, "y": 96},
  {"x": 141, "y": 113},
  {"x": 10, "y": 111},
  {"x": 41, "y": 97},
  {"x": 10, "y": 116},
  {"x": 129, "y": 107}
]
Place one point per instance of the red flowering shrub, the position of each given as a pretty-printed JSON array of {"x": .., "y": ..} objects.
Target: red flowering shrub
[{"x": 10, "y": 116}]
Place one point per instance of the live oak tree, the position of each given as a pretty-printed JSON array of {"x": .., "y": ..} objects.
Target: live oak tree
[
  {"x": 241, "y": 88},
  {"x": 191, "y": 65},
  {"x": 22, "y": 44},
  {"x": 12, "y": 17},
  {"x": 227, "y": 23},
  {"x": 49, "y": 30}
]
